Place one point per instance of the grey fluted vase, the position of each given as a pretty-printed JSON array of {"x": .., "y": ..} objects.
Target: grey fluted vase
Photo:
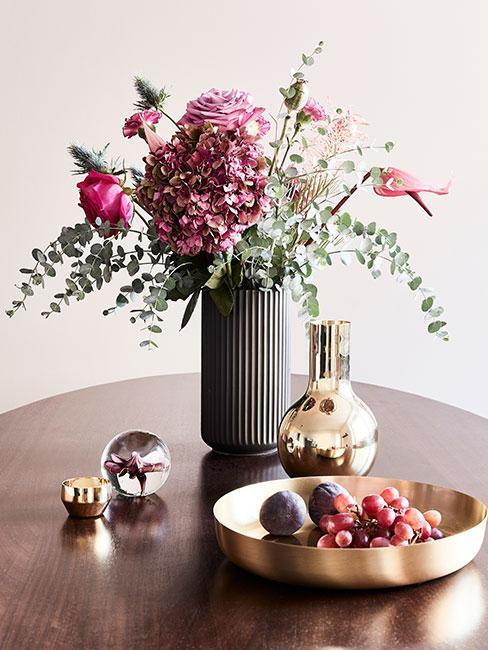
[{"x": 245, "y": 372}]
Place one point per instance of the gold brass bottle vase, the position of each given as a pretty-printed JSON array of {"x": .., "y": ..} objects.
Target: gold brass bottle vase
[{"x": 329, "y": 430}]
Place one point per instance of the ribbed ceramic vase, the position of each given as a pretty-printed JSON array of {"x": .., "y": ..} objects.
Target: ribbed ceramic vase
[
  {"x": 329, "y": 430},
  {"x": 245, "y": 372}
]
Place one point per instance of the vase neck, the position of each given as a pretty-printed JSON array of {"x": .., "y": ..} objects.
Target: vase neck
[{"x": 329, "y": 352}]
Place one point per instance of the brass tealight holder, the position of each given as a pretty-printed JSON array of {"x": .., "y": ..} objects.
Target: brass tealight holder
[{"x": 86, "y": 496}]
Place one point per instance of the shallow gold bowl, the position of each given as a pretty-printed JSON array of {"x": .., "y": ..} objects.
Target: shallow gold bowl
[
  {"x": 86, "y": 496},
  {"x": 296, "y": 560}
]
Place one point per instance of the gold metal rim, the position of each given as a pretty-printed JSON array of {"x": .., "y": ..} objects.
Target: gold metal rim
[
  {"x": 86, "y": 489},
  {"x": 97, "y": 480},
  {"x": 329, "y": 323}
]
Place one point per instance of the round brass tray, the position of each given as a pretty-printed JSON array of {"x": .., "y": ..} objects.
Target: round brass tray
[{"x": 296, "y": 560}]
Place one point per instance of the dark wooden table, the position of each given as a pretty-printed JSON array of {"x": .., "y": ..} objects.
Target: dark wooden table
[{"x": 150, "y": 574}]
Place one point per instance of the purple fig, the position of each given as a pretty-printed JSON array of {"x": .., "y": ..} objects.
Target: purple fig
[
  {"x": 283, "y": 513},
  {"x": 321, "y": 500}
]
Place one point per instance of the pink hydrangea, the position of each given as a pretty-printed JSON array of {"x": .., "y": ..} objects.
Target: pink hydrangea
[
  {"x": 135, "y": 122},
  {"x": 314, "y": 110},
  {"x": 228, "y": 109},
  {"x": 204, "y": 188}
]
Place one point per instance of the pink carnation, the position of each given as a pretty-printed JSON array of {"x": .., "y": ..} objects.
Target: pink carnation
[
  {"x": 134, "y": 122},
  {"x": 204, "y": 188},
  {"x": 314, "y": 110},
  {"x": 227, "y": 109}
]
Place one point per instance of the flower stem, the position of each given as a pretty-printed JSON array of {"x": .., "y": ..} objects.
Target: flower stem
[
  {"x": 290, "y": 142},
  {"x": 178, "y": 126},
  {"x": 339, "y": 205},
  {"x": 283, "y": 131},
  {"x": 417, "y": 198},
  {"x": 141, "y": 217}
]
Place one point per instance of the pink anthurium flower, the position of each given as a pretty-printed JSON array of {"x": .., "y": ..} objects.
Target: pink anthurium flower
[
  {"x": 400, "y": 183},
  {"x": 153, "y": 140}
]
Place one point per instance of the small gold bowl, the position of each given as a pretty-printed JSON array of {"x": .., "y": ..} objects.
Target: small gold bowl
[{"x": 86, "y": 496}]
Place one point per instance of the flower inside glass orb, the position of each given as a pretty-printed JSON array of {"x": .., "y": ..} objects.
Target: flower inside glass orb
[{"x": 137, "y": 463}]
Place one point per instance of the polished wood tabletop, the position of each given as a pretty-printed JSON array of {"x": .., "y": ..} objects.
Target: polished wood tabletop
[{"x": 149, "y": 574}]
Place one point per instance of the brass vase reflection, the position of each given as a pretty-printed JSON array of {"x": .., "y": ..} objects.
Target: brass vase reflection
[{"x": 329, "y": 430}]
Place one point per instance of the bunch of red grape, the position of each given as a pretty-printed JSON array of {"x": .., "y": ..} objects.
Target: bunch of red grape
[{"x": 384, "y": 519}]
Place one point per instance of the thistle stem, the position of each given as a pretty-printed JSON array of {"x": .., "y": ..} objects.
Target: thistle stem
[{"x": 178, "y": 126}]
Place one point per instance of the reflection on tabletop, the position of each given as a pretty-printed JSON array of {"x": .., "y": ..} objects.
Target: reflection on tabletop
[
  {"x": 445, "y": 611},
  {"x": 127, "y": 525}
]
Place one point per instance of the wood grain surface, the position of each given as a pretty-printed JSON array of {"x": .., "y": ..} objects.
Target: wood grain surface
[{"x": 150, "y": 574}]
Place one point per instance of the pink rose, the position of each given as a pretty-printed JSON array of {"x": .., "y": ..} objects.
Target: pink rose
[
  {"x": 228, "y": 109},
  {"x": 135, "y": 122},
  {"x": 314, "y": 110},
  {"x": 101, "y": 195}
]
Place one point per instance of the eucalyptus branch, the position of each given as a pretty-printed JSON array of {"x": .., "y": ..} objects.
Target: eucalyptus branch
[
  {"x": 69, "y": 243},
  {"x": 307, "y": 60},
  {"x": 279, "y": 144},
  {"x": 290, "y": 142}
]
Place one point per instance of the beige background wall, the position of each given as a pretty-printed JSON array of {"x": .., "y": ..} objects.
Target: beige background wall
[{"x": 416, "y": 71}]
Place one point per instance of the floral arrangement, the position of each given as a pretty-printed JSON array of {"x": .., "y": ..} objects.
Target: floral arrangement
[{"x": 214, "y": 212}]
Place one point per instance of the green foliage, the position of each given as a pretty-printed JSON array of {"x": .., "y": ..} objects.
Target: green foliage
[
  {"x": 190, "y": 308},
  {"x": 304, "y": 231},
  {"x": 223, "y": 297}
]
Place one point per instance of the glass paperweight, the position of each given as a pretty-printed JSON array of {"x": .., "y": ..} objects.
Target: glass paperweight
[{"x": 137, "y": 463}]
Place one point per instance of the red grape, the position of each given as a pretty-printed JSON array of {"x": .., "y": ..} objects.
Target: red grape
[
  {"x": 379, "y": 520},
  {"x": 426, "y": 531},
  {"x": 342, "y": 502},
  {"x": 327, "y": 541},
  {"x": 360, "y": 538},
  {"x": 389, "y": 494},
  {"x": 434, "y": 517},
  {"x": 343, "y": 538},
  {"x": 398, "y": 541},
  {"x": 436, "y": 534},
  {"x": 400, "y": 503},
  {"x": 403, "y": 530},
  {"x": 373, "y": 503},
  {"x": 323, "y": 522},
  {"x": 338, "y": 522},
  {"x": 386, "y": 517},
  {"x": 378, "y": 531},
  {"x": 415, "y": 518}
]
